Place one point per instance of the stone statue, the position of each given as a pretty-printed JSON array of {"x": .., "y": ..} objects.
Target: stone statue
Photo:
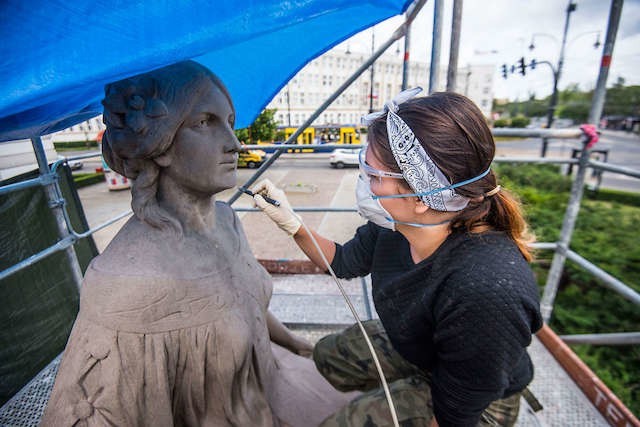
[{"x": 173, "y": 327}]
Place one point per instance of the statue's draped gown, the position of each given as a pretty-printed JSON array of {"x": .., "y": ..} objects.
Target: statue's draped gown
[{"x": 186, "y": 346}]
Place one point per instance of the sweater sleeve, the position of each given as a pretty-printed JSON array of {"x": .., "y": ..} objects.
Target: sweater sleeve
[
  {"x": 484, "y": 320},
  {"x": 353, "y": 259}
]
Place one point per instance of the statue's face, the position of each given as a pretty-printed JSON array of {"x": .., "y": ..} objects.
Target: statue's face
[{"x": 203, "y": 156}]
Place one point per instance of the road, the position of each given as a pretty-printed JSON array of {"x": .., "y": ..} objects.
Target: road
[
  {"x": 623, "y": 148},
  {"x": 310, "y": 182}
]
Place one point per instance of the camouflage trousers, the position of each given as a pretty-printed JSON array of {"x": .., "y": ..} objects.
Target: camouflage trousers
[{"x": 345, "y": 361}]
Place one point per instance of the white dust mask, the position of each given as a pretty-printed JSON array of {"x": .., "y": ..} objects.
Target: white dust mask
[{"x": 370, "y": 208}]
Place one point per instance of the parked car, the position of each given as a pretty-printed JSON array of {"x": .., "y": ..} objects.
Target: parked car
[
  {"x": 341, "y": 157},
  {"x": 74, "y": 165},
  {"x": 251, "y": 159}
]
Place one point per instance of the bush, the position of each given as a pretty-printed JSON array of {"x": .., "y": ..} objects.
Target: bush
[
  {"x": 605, "y": 235},
  {"x": 84, "y": 179},
  {"x": 520, "y": 122},
  {"x": 74, "y": 145},
  {"x": 501, "y": 123}
]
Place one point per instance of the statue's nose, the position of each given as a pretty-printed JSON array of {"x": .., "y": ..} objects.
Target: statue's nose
[{"x": 232, "y": 143}]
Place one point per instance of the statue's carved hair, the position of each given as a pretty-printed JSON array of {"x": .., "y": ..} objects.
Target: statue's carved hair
[{"x": 142, "y": 115}]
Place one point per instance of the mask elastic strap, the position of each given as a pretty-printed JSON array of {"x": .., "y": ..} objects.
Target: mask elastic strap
[
  {"x": 417, "y": 225},
  {"x": 437, "y": 190}
]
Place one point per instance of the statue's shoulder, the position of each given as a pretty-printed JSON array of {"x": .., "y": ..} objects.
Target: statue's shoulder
[
  {"x": 225, "y": 212},
  {"x": 138, "y": 249},
  {"x": 227, "y": 220}
]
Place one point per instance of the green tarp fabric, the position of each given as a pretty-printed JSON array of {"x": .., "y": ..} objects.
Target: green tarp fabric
[{"x": 39, "y": 303}]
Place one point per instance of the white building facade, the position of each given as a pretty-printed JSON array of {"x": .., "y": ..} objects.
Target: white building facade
[{"x": 321, "y": 77}]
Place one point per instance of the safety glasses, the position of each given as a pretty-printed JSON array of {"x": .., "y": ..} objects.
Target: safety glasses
[{"x": 370, "y": 173}]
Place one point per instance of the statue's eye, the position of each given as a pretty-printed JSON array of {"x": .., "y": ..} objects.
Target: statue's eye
[{"x": 202, "y": 123}]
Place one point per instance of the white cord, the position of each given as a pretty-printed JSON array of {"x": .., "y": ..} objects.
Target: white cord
[{"x": 385, "y": 387}]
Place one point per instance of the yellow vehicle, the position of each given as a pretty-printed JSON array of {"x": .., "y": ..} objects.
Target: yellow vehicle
[
  {"x": 306, "y": 137},
  {"x": 251, "y": 159},
  {"x": 328, "y": 134}
]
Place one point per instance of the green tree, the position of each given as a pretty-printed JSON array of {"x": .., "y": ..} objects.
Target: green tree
[
  {"x": 622, "y": 100},
  {"x": 242, "y": 135},
  {"x": 262, "y": 129},
  {"x": 575, "y": 104},
  {"x": 578, "y": 111}
]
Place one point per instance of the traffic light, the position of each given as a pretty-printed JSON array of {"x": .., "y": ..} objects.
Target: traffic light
[
  {"x": 522, "y": 66},
  {"x": 533, "y": 64},
  {"x": 504, "y": 71}
]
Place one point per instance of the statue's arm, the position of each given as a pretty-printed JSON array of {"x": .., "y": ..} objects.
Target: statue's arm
[{"x": 283, "y": 336}]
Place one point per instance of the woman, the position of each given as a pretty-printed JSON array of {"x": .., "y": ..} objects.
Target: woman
[
  {"x": 447, "y": 251},
  {"x": 173, "y": 327}
]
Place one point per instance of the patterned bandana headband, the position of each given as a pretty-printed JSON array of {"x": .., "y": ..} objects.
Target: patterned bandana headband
[{"x": 421, "y": 173}]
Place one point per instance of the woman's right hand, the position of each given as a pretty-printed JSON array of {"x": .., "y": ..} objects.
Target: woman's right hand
[{"x": 282, "y": 215}]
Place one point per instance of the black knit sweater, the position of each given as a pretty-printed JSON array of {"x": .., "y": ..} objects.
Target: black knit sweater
[{"x": 465, "y": 314}]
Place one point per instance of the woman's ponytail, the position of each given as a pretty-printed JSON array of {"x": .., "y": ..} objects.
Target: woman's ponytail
[{"x": 501, "y": 212}]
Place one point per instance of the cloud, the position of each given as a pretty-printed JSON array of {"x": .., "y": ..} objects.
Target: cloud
[{"x": 500, "y": 31}]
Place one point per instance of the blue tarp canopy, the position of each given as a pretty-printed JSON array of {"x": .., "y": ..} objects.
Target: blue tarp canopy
[{"x": 57, "y": 55}]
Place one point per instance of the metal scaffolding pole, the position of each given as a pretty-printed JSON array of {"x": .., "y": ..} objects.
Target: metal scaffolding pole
[
  {"x": 599, "y": 94},
  {"x": 568, "y": 224},
  {"x": 371, "y": 74},
  {"x": 55, "y": 203},
  {"x": 397, "y": 34},
  {"x": 452, "y": 71},
  {"x": 577, "y": 189},
  {"x": 434, "y": 74},
  {"x": 405, "y": 59}
]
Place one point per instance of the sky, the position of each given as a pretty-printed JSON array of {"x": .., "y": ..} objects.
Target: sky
[{"x": 500, "y": 31}]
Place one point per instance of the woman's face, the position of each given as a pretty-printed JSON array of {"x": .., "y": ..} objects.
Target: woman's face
[
  {"x": 205, "y": 149},
  {"x": 400, "y": 208}
]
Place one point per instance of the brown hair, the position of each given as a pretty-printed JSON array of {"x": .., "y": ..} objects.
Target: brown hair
[{"x": 456, "y": 136}]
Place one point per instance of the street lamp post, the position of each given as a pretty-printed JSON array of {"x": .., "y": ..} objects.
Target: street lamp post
[
  {"x": 556, "y": 71},
  {"x": 288, "y": 106},
  {"x": 371, "y": 71},
  {"x": 571, "y": 7},
  {"x": 554, "y": 97}
]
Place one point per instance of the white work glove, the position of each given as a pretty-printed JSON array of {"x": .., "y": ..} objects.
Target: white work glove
[{"x": 281, "y": 215}]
